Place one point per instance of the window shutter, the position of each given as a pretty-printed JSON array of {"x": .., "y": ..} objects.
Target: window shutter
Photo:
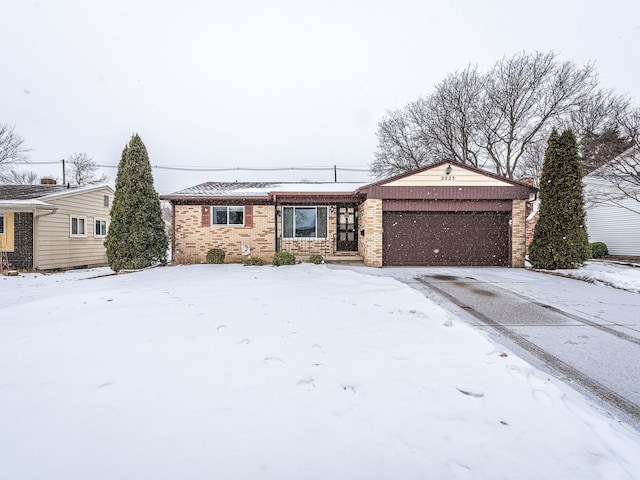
[
  {"x": 206, "y": 216},
  {"x": 248, "y": 215}
]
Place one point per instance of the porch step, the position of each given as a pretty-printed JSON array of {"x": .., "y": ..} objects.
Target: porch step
[{"x": 344, "y": 258}]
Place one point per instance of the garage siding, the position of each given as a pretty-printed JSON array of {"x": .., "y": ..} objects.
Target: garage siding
[{"x": 446, "y": 238}]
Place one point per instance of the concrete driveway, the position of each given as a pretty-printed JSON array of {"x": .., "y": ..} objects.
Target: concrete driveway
[{"x": 587, "y": 335}]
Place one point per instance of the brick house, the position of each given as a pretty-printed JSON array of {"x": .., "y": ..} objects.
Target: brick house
[{"x": 443, "y": 214}]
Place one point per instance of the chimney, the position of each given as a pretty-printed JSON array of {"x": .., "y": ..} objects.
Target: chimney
[{"x": 47, "y": 181}]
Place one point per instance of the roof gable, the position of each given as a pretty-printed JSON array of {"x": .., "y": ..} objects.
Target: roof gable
[{"x": 446, "y": 174}]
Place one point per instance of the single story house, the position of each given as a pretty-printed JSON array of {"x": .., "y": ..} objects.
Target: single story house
[
  {"x": 52, "y": 227},
  {"x": 444, "y": 214}
]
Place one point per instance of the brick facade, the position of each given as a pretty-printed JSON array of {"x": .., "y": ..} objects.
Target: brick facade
[
  {"x": 22, "y": 255},
  {"x": 192, "y": 240},
  {"x": 370, "y": 245},
  {"x": 518, "y": 233}
]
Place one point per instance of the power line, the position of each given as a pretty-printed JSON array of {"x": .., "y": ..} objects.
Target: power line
[{"x": 215, "y": 169}]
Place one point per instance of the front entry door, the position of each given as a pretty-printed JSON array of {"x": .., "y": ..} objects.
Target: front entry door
[{"x": 347, "y": 229}]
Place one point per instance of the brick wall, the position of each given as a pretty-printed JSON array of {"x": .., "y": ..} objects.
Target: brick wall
[
  {"x": 192, "y": 240},
  {"x": 518, "y": 233},
  {"x": 370, "y": 245},
  {"x": 22, "y": 255}
]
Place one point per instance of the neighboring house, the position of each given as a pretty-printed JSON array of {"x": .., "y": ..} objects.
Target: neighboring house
[
  {"x": 611, "y": 217},
  {"x": 443, "y": 214},
  {"x": 51, "y": 227}
]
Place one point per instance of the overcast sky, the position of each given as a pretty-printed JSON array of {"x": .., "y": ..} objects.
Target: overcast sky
[{"x": 273, "y": 83}]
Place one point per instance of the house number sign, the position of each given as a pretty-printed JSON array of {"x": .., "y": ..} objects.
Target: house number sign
[{"x": 447, "y": 177}]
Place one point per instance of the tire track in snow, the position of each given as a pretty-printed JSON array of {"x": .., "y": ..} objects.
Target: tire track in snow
[{"x": 601, "y": 391}]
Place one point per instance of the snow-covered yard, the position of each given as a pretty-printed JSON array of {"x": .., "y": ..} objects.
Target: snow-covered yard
[{"x": 304, "y": 372}]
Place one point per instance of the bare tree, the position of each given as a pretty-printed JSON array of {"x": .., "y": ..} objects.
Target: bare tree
[
  {"x": 451, "y": 121},
  {"x": 12, "y": 148},
  {"x": 84, "y": 170},
  {"x": 500, "y": 118},
  {"x": 12, "y": 176},
  {"x": 400, "y": 145},
  {"x": 523, "y": 94}
]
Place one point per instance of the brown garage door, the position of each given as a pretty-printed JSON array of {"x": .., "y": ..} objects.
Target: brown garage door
[{"x": 438, "y": 238}]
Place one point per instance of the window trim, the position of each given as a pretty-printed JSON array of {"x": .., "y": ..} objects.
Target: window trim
[
  {"x": 106, "y": 227},
  {"x": 84, "y": 224},
  {"x": 212, "y": 223},
  {"x": 293, "y": 226}
]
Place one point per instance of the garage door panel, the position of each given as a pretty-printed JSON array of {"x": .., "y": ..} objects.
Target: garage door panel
[{"x": 437, "y": 238}]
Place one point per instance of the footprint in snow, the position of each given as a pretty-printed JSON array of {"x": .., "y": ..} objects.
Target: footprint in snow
[
  {"x": 348, "y": 389},
  {"x": 317, "y": 347},
  {"x": 244, "y": 342},
  {"x": 221, "y": 328},
  {"x": 273, "y": 361},
  {"x": 306, "y": 384},
  {"x": 543, "y": 398},
  {"x": 470, "y": 394}
]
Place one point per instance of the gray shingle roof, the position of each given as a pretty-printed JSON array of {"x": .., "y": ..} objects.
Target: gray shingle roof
[{"x": 28, "y": 192}]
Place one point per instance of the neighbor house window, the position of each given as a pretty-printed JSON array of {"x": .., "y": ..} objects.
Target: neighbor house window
[
  {"x": 78, "y": 227},
  {"x": 304, "y": 222},
  {"x": 101, "y": 228},
  {"x": 1, "y": 223},
  {"x": 227, "y": 215},
  {"x": 106, "y": 201}
]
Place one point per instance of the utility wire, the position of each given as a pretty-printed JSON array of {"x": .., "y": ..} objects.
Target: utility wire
[{"x": 215, "y": 169}]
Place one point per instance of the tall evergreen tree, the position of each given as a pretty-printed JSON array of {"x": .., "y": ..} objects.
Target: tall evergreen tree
[
  {"x": 560, "y": 239},
  {"x": 136, "y": 237}
]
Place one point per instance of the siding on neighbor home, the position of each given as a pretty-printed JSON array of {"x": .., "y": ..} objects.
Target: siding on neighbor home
[
  {"x": 55, "y": 248},
  {"x": 618, "y": 227}
]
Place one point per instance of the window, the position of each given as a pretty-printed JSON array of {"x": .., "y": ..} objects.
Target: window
[
  {"x": 106, "y": 201},
  {"x": 101, "y": 228},
  {"x": 1, "y": 223},
  {"x": 227, "y": 215},
  {"x": 78, "y": 227},
  {"x": 304, "y": 222}
]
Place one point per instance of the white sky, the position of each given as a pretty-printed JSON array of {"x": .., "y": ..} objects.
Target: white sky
[{"x": 267, "y": 84}]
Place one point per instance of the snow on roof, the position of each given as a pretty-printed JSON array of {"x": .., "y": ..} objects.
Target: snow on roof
[{"x": 263, "y": 189}]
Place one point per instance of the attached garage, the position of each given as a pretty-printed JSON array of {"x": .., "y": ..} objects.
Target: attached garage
[
  {"x": 445, "y": 238},
  {"x": 446, "y": 214}
]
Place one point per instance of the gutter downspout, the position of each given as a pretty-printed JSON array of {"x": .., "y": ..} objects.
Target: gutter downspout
[{"x": 275, "y": 219}]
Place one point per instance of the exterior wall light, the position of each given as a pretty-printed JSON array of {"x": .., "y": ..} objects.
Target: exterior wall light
[{"x": 448, "y": 170}]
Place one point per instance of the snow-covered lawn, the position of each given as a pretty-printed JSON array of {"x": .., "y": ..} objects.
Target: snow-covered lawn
[
  {"x": 304, "y": 372},
  {"x": 607, "y": 273}
]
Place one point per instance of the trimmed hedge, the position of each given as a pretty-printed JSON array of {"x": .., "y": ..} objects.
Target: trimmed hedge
[
  {"x": 599, "y": 249},
  {"x": 215, "y": 255},
  {"x": 284, "y": 258}
]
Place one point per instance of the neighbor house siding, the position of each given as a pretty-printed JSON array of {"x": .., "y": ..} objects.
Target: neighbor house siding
[
  {"x": 192, "y": 240},
  {"x": 55, "y": 248},
  {"x": 370, "y": 220},
  {"x": 616, "y": 226}
]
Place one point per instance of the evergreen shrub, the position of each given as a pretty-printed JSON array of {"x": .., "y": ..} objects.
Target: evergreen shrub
[
  {"x": 255, "y": 261},
  {"x": 215, "y": 255},
  {"x": 284, "y": 258},
  {"x": 599, "y": 249},
  {"x": 317, "y": 259}
]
